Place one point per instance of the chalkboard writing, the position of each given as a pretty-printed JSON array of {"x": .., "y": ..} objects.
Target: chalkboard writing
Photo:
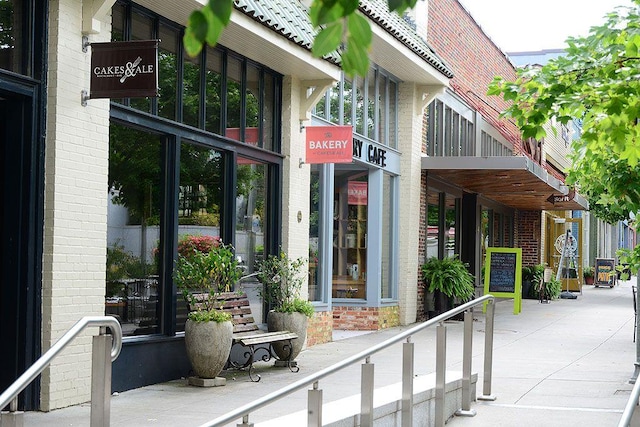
[
  {"x": 502, "y": 273},
  {"x": 605, "y": 271}
]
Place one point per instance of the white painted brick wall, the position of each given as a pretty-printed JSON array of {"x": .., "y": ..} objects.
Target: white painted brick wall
[
  {"x": 410, "y": 139},
  {"x": 296, "y": 179},
  {"x": 76, "y": 167}
]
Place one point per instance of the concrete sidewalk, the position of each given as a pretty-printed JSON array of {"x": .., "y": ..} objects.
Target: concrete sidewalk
[{"x": 565, "y": 363}]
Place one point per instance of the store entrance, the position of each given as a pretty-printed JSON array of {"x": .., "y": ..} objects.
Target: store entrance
[{"x": 19, "y": 248}]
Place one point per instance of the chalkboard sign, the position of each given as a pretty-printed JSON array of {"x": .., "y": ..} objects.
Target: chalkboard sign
[
  {"x": 605, "y": 271},
  {"x": 502, "y": 273}
]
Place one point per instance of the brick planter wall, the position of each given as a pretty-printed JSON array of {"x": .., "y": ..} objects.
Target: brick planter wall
[
  {"x": 365, "y": 318},
  {"x": 320, "y": 328}
]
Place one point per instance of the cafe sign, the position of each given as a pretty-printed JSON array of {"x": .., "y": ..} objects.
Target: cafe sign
[{"x": 124, "y": 69}]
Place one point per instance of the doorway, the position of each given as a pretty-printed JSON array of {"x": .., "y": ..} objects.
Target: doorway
[{"x": 21, "y": 215}]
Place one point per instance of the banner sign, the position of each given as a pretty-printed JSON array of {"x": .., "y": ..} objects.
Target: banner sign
[
  {"x": 124, "y": 69},
  {"x": 329, "y": 144},
  {"x": 357, "y": 193}
]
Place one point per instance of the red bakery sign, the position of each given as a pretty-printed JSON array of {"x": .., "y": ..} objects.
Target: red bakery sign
[{"x": 329, "y": 144}]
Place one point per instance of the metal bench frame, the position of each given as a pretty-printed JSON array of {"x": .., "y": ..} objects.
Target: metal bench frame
[{"x": 258, "y": 344}]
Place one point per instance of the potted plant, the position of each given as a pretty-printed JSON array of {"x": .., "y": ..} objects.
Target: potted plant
[
  {"x": 449, "y": 281},
  {"x": 588, "y": 273},
  {"x": 282, "y": 279},
  {"x": 206, "y": 268}
]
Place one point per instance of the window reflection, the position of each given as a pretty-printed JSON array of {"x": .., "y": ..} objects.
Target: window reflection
[
  {"x": 199, "y": 202},
  {"x": 315, "y": 291},
  {"x": 132, "y": 291},
  {"x": 250, "y": 226}
]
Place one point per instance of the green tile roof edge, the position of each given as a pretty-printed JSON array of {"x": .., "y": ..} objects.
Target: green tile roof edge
[{"x": 290, "y": 19}]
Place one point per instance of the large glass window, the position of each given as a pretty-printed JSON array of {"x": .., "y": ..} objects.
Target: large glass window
[
  {"x": 246, "y": 111},
  {"x": 315, "y": 292},
  {"x": 350, "y": 234},
  {"x": 133, "y": 233},
  {"x": 14, "y": 48},
  {"x": 387, "y": 240}
]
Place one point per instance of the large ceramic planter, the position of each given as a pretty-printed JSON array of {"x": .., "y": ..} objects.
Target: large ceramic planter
[
  {"x": 292, "y": 322},
  {"x": 208, "y": 346}
]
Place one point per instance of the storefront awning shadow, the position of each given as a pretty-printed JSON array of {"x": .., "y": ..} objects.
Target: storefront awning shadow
[{"x": 514, "y": 181}]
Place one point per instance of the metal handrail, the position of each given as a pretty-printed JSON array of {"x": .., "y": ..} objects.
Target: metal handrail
[
  {"x": 244, "y": 411},
  {"x": 10, "y": 395},
  {"x": 627, "y": 414}
]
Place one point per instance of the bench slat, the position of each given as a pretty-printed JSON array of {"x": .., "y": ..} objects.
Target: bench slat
[{"x": 262, "y": 339}]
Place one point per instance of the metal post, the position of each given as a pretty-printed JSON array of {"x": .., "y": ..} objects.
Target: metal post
[
  {"x": 488, "y": 352},
  {"x": 466, "y": 410},
  {"x": 636, "y": 371},
  {"x": 314, "y": 399},
  {"x": 101, "y": 379},
  {"x": 408, "y": 353},
  {"x": 245, "y": 422},
  {"x": 441, "y": 366},
  {"x": 366, "y": 394},
  {"x": 12, "y": 417}
]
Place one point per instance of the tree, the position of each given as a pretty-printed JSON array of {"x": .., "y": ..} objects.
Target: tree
[
  {"x": 342, "y": 28},
  {"x": 597, "y": 81}
]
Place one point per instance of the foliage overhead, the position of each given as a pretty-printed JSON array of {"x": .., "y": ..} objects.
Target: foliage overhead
[
  {"x": 341, "y": 26},
  {"x": 597, "y": 81}
]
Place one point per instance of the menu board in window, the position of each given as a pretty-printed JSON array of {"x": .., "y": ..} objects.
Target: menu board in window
[{"x": 503, "y": 275}]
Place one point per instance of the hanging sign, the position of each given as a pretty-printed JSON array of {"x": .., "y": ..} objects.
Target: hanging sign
[
  {"x": 124, "y": 69},
  {"x": 329, "y": 144}
]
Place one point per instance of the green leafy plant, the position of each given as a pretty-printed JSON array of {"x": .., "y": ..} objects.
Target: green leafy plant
[
  {"x": 588, "y": 272},
  {"x": 282, "y": 279},
  {"x": 449, "y": 276},
  {"x": 202, "y": 275}
]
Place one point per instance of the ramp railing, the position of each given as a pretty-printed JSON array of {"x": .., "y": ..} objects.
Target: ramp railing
[
  {"x": 106, "y": 348},
  {"x": 314, "y": 401}
]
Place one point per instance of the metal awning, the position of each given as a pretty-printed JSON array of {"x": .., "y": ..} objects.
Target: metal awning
[{"x": 514, "y": 181}]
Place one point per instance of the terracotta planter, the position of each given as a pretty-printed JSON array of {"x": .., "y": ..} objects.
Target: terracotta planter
[
  {"x": 292, "y": 322},
  {"x": 208, "y": 346}
]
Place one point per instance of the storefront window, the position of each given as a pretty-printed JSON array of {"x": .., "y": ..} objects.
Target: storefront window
[
  {"x": 315, "y": 293},
  {"x": 252, "y": 91},
  {"x": 433, "y": 214},
  {"x": 213, "y": 91},
  {"x": 191, "y": 91},
  {"x": 11, "y": 39},
  {"x": 387, "y": 240},
  {"x": 133, "y": 233},
  {"x": 167, "y": 72},
  {"x": 347, "y": 89},
  {"x": 350, "y": 234},
  {"x": 250, "y": 213}
]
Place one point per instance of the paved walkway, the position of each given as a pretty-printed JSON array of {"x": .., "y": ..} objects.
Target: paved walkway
[{"x": 566, "y": 363}]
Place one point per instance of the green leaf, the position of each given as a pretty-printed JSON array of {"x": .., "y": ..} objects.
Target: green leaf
[
  {"x": 195, "y": 33},
  {"x": 323, "y": 12},
  {"x": 222, "y": 10},
  {"x": 355, "y": 60},
  {"x": 327, "y": 40},
  {"x": 360, "y": 30}
]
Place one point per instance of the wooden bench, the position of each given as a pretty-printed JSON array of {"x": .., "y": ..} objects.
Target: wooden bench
[{"x": 247, "y": 334}]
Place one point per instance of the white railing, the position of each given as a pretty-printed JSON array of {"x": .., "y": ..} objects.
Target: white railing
[
  {"x": 106, "y": 348},
  {"x": 367, "y": 388}
]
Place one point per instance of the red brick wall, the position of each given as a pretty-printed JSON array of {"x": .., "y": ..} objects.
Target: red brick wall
[
  {"x": 474, "y": 59},
  {"x": 365, "y": 318},
  {"x": 320, "y": 328},
  {"x": 528, "y": 236}
]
